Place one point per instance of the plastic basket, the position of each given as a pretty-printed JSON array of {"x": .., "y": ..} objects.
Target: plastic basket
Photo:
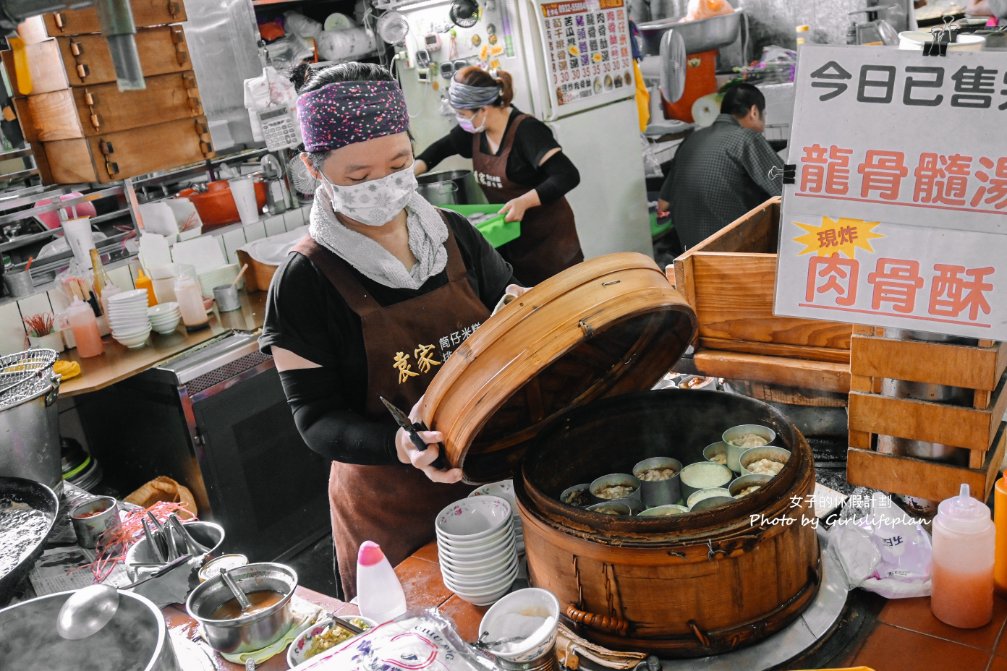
[{"x": 497, "y": 231}]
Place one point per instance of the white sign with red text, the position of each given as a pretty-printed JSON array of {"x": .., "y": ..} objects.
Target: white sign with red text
[{"x": 898, "y": 212}]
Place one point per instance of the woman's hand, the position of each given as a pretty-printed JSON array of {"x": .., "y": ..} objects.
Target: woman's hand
[
  {"x": 423, "y": 460},
  {"x": 419, "y": 167},
  {"x": 514, "y": 209}
]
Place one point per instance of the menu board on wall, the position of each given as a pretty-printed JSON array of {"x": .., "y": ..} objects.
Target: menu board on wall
[
  {"x": 588, "y": 48},
  {"x": 897, "y": 216}
]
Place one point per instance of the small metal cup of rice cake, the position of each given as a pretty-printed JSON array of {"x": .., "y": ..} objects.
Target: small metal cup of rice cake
[
  {"x": 704, "y": 475},
  {"x": 746, "y": 485},
  {"x": 664, "y": 511},
  {"x": 705, "y": 499},
  {"x": 614, "y": 508},
  {"x": 618, "y": 487},
  {"x": 768, "y": 460},
  {"x": 578, "y": 496},
  {"x": 741, "y": 438},
  {"x": 659, "y": 480},
  {"x": 718, "y": 453}
]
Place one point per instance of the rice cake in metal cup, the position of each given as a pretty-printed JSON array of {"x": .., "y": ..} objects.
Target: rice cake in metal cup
[
  {"x": 633, "y": 499},
  {"x": 659, "y": 492}
]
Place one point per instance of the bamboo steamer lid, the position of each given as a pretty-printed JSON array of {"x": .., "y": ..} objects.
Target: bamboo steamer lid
[{"x": 607, "y": 326}]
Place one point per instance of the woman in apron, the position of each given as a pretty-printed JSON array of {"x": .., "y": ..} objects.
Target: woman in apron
[
  {"x": 518, "y": 162},
  {"x": 370, "y": 304}
]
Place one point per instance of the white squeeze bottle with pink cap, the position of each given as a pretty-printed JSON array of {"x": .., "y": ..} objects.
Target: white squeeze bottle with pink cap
[{"x": 379, "y": 592}]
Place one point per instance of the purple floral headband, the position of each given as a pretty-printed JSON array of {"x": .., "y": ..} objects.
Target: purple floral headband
[{"x": 344, "y": 113}]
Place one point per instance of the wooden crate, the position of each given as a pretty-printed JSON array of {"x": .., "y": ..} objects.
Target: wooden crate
[
  {"x": 729, "y": 279},
  {"x": 84, "y": 111},
  {"x": 58, "y": 63},
  {"x": 146, "y": 13},
  {"x": 977, "y": 429},
  {"x": 113, "y": 156}
]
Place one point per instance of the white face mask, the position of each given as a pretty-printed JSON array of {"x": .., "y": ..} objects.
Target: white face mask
[{"x": 374, "y": 202}]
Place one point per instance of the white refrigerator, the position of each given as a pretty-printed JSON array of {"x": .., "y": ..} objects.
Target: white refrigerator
[{"x": 572, "y": 68}]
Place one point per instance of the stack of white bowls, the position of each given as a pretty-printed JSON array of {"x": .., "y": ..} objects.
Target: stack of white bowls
[
  {"x": 127, "y": 317},
  {"x": 164, "y": 317},
  {"x": 505, "y": 490},
  {"x": 476, "y": 550}
]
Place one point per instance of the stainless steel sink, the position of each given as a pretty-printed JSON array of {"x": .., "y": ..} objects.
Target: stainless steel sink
[{"x": 699, "y": 36}]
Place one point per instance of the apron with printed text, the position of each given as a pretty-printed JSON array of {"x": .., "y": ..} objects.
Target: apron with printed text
[
  {"x": 548, "y": 242},
  {"x": 405, "y": 343}
]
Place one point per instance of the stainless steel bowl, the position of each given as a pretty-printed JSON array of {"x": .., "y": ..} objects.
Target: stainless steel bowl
[
  {"x": 765, "y": 452},
  {"x": 140, "y": 559},
  {"x": 247, "y": 632},
  {"x": 611, "y": 508},
  {"x": 583, "y": 490},
  {"x": 135, "y": 638},
  {"x": 750, "y": 480},
  {"x": 704, "y": 475},
  {"x": 659, "y": 492},
  {"x": 634, "y": 500}
]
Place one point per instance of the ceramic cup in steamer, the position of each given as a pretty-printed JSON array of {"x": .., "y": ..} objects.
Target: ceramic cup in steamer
[
  {"x": 92, "y": 518},
  {"x": 704, "y": 475},
  {"x": 634, "y": 500},
  {"x": 770, "y": 452},
  {"x": 749, "y": 480},
  {"x": 664, "y": 511},
  {"x": 659, "y": 492}
]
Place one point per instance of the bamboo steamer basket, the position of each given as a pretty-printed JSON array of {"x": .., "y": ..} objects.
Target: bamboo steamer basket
[
  {"x": 604, "y": 327},
  {"x": 689, "y": 585},
  {"x": 552, "y": 390}
]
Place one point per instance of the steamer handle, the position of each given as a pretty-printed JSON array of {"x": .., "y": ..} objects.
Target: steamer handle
[
  {"x": 700, "y": 635},
  {"x": 609, "y": 623}
]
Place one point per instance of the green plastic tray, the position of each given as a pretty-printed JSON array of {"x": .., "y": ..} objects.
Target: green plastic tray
[{"x": 497, "y": 231}]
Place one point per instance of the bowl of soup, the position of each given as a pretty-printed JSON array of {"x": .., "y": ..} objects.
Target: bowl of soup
[{"x": 269, "y": 588}]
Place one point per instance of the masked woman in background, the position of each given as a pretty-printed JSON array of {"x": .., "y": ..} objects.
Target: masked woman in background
[
  {"x": 517, "y": 162},
  {"x": 370, "y": 304}
]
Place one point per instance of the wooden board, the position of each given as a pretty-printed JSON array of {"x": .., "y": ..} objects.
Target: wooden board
[
  {"x": 925, "y": 479},
  {"x": 821, "y": 375},
  {"x": 730, "y": 280},
  {"x": 936, "y": 363},
  {"x": 87, "y": 60},
  {"x": 146, "y": 13},
  {"x": 92, "y": 110},
  {"x": 127, "y": 153},
  {"x": 959, "y": 426}
]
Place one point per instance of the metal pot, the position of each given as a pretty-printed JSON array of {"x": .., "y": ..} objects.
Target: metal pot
[
  {"x": 450, "y": 187},
  {"x": 248, "y": 632},
  {"x": 29, "y": 423},
  {"x": 135, "y": 638}
]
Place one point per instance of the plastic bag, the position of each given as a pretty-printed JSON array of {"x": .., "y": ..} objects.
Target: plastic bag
[
  {"x": 883, "y": 551},
  {"x": 397, "y": 645},
  {"x": 163, "y": 488},
  {"x": 707, "y": 9}
]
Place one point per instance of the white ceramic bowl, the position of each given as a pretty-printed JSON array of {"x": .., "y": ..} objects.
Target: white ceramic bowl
[
  {"x": 479, "y": 544},
  {"x": 299, "y": 648},
  {"x": 126, "y": 296},
  {"x": 503, "y": 489},
  {"x": 127, "y": 321},
  {"x": 478, "y": 559},
  {"x": 479, "y": 567},
  {"x": 132, "y": 331},
  {"x": 167, "y": 328},
  {"x": 163, "y": 309},
  {"x": 484, "y": 585},
  {"x": 473, "y": 518},
  {"x": 133, "y": 341},
  {"x": 532, "y": 602}
]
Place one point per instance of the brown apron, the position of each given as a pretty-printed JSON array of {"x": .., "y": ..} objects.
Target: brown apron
[
  {"x": 548, "y": 242},
  {"x": 394, "y": 505}
]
